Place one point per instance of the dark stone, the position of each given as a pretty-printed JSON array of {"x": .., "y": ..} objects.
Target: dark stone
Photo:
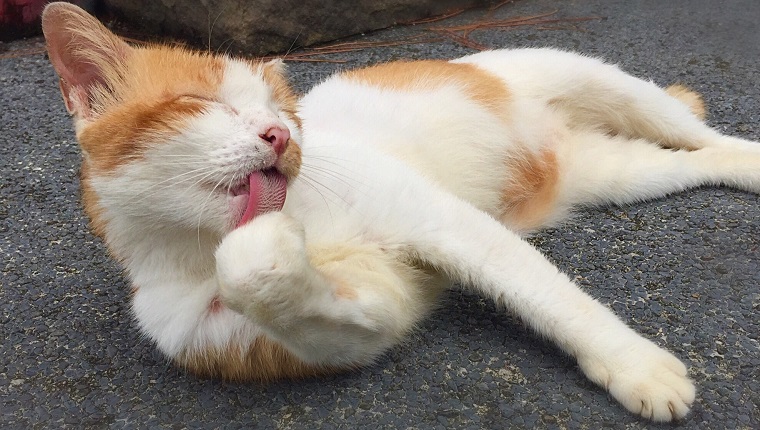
[
  {"x": 21, "y": 18},
  {"x": 265, "y": 26}
]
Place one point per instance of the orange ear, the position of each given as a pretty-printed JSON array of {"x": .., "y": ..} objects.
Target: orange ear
[{"x": 84, "y": 53}]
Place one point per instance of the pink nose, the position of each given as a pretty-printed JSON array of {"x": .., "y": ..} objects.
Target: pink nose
[{"x": 277, "y": 138}]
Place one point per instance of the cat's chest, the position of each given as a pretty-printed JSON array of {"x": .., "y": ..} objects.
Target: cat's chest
[{"x": 345, "y": 192}]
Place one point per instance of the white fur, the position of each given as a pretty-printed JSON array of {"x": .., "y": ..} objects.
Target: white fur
[{"x": 408, "y": 176}]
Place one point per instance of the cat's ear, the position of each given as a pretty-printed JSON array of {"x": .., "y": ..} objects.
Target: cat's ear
[{"x": 83, "y": 52}]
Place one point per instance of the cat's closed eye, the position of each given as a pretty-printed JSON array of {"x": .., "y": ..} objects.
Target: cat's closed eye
[{"x": 194, "y": 98}]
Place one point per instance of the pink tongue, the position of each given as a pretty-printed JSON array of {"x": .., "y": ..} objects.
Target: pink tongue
[{"x": 267, "y": 194}]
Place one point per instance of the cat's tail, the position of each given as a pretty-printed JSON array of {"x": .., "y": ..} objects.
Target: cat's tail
[{"x": 692, "y": 99}]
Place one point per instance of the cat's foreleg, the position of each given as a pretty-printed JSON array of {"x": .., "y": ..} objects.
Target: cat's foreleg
[
  {"x": 601, "y": 96},
  {"x": 335, "y": 306},
  {"x": 477, "y": 251}
]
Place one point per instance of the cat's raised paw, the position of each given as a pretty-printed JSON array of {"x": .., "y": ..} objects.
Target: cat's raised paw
[
  {"x": 259, "y": 262},
  {"x": 644, "y": 378}
]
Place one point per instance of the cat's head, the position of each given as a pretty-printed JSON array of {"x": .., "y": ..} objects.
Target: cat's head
[{"x": 172, "y": 138}]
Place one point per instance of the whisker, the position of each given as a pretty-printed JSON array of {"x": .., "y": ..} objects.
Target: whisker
[
  {"x": 291, "y": 46},
  {"x": 203, "y": 208},
  {"x": 188, "y": 163},
  {"x": 310, "y": 184},
  {"x": 182, "y": 156},
  {"x": 342, "y": 163},
  {"x": 156, "y": 187},
  {"x": 346, "y": 180},
  {"x": 336, "y": 172},
  {"x": 211, "y": 28},
  {"x": 327, "y": 159},
  {"x": 314, "y": 183}
]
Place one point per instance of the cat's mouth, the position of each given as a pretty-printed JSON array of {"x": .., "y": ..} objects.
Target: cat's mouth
[{"x": 263, "y": 191}]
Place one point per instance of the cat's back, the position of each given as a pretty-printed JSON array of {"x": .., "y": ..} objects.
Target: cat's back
[
  {"x": 455, "y": 122},
  {"x": 406, "y": 95}
]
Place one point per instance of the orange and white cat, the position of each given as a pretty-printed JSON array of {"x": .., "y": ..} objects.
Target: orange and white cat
[{"x": 269, "y": 237}]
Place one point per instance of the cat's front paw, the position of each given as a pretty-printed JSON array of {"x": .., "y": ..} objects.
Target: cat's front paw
[
  {"x": 261, "y": 265},
  {"x": 644, "y": 378}
]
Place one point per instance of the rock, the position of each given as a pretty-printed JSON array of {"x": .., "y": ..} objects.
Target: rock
[
  {"x": 264, "y": 26},
  {"x": 21, "y": 18}
]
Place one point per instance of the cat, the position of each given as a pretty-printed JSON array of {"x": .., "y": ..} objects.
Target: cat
[{"x": 269, "y": 236}]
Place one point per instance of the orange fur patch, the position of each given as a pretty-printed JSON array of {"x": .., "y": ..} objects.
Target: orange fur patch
[
  {"x": 272, "y": 73},
  {"x": 530, "y": 195},
  {"x": 154, "y": 92},
  {"x": 342, "y": 289},
  {"x": 479, "y": 85},
  {"x": 133, "y": 290},
  {"x": 289, "y": 162},
  {"x": 120, "y": 134},
  {"x": 690, "y": 98},
  {"x": 264, "y": 360},
  {"x": 90, "y": 202},
  {"x": 139, "y": 105},
  {"x": 282, "y": 92}
]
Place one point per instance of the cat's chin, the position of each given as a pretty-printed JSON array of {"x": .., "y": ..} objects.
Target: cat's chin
[{"x": 264, "y": 191}]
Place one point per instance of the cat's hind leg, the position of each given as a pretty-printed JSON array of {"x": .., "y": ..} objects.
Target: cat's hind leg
[
  {"x": 597, "y": 169},
  {"x": 589, "y": 168},
  {"x": 595, "y": 95}
]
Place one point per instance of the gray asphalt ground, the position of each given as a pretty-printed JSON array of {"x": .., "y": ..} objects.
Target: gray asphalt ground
[{"x": 683, "y": 270}]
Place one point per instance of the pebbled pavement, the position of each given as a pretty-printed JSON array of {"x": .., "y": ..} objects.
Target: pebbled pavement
[{"x": 683, "y": 270}]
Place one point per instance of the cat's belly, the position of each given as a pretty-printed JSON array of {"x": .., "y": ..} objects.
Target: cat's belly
[
  {"x": 464, "y": 147},
  {"x": 487, "y": 167}
]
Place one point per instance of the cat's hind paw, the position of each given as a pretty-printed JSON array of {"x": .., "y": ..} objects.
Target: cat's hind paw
[{"x": 644, "y": 378}]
